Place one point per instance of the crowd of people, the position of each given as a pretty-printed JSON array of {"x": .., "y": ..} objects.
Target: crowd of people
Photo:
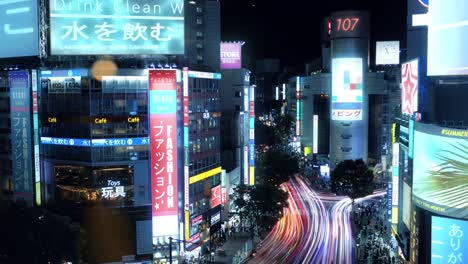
[{"x": 375, "y": 243}]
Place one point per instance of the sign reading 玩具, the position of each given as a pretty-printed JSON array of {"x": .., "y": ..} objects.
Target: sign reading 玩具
[
  {"x": 116, "y": 27},
  {"x": 20, "y": 97},
  {"x": 114, "y": 189},
  {"x": 19, "y": 25},
  {"x": 231, "y": 55}
]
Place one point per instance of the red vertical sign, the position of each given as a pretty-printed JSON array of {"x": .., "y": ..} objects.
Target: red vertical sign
[
  {"x": 163, "y": 135},
  {"x": 215, "y": 196}
]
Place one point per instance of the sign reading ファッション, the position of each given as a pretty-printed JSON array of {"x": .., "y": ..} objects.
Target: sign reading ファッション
[{"x": 116, "y": 27}]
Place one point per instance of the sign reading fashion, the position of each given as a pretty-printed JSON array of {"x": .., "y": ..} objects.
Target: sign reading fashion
[
  {"x": 116, "y": 27},
  {"x": 163, "y": 140}
]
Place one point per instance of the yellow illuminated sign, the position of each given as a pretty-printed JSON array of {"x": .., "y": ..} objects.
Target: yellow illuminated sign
[
  {"x": 100, "y": 120},
  {"x": 52, "y": 120},
  {"x": 252, "y": 176},
  {"x": 187, "y": 225},
  {"x": 394, "y": 133},
  {"x": 395, "y": 215},
  {"x": 307, "y": 151},
  {"x": 204, "y": 175},
  {"x": 453, "y": 132},
  {"x": 133, "y": 120},
  {"x": 38, "y": 193}
]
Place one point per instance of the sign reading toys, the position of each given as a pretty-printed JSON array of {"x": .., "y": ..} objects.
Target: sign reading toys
[{"x": 116, "y": 27}]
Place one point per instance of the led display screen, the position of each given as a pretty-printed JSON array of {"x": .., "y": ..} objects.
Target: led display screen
[
  {"x": 116, "y": 27},
  {"x": 19, "y": 28},
  {"x": 406, "y": 205},
  {"x": 347, "y": 87},
  {"x": 440, "y": 170},
  {"x": 447, "y": 38},
  {"x": 231, "y": 55},
  {"x": 163, "y": 135},
  {"x": 387, "y": 52},
  {"x": 449, "y": 241},
  {"x": 409, "y": 87}
]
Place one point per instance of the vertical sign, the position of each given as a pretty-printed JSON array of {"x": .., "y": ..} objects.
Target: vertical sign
[
  {"x": 21, "y": 134},
  {"x": 389, "y": 201},
  {"x": 185, "y": 80},
  {"x": 395, "y": 181},
  {"x": 246, "y": 165},
  {"x": 252, "y": 135},
  {"x": 216, "y": 196},
  {"x": 411, "y": 138},
  {"x": 315, "y": 135},
  {"x": 163, "y": 142},
  {"x": 298, "y": 106},
  {"x": 37, "y": 163},
  {"x": 409, "y": 87}
]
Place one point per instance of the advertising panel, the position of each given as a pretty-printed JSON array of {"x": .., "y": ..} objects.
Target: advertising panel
[
  {"x": 387, "y": 53},
  {"x": 409, "y": 87},
  {"x": 215, "y": 196},
  {"x": 315, "y": 134},
  {"x": 163, "y": 135},
  {"x": 231, "y": 55},
  {"x": 252, "y": 136},
  {"x": 347, "y": 89},
  {"x": 449, "y": 241},
  {"x": 447, "y": 38},
  {"x": 37, "y": 162},
  {"x": 440, "y": 170},
  {"x": 19, "y": 25},
  {"x": 406, "y": 205},
  {"x": 20, "y": 96},
  {"x": 116, "y": 27}
]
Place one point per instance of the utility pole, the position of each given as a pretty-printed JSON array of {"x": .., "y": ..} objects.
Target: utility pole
[{"x": 170, "y": 250}]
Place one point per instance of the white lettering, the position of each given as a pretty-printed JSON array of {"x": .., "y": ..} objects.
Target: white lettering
[{"x": 176, "y": 8}]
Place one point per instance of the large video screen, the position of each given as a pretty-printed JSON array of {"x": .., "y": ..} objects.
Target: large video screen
[
  {"x": 406, "y": 205},
  {"x": 347, "y": 86},
  {"x": 19, "y": 32},
  {"x": 449, "y": 240},
  {"x": 231, "y": 55},
  {"x": 409, "y": 87},
  {"x": 447, "y": 38},
  {"x": 116, "y": 27},
  {"x": 440, "y": 170}
]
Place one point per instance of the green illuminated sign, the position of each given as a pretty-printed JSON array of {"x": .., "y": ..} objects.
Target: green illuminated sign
[{"x": 116, "y": 27}]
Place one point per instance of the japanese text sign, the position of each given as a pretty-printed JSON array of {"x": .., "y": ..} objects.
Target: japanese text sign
[
  {"x": 449, "y": 241},
  {"x": 347, "y": 89},
  {"x": 163, "y": 131},
  {"x": 116, "y": 27},
  {"x": 20, "y": 96}
]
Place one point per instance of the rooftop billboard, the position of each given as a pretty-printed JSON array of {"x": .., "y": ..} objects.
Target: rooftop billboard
[
  {"x": 347, "y": 89},
  {"x": 125, "y": 27},
  {"x": 19, "y": 29},
  {"x": 409, "y": 87},
  {"x": 231, "y": 55},
  {"x": 447, "y": 38}
]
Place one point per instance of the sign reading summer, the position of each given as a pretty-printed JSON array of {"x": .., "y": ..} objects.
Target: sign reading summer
[{"x": 88, "y": 27}]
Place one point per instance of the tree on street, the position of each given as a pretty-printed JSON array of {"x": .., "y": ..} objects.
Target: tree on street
[{"x": 352, "y": 178}]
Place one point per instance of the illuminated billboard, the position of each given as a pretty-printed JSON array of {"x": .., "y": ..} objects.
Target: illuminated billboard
[
  {"x": 347, "y": 89},
  {"x": 163, "y": 146},
  {"x": 409, "y": 87},
  {"x": 447, "y": 38},
  {"x": 449, "y": 240},
  {"x": 231, "y": 55},
  {"x": 315, "y": 134},
  {"x": 20, "y": 121},
  {"x": 216, "y": 196},
  {"x": 116, "y": 27},
  {"x": 440, "y": 170},
  {"x": 19, "y": 29},
  {"x": 406, "y": 215},
  {"x": 387, "y": 52}
]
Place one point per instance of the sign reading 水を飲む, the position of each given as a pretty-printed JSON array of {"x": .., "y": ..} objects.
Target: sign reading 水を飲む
[{"x": 116, "y": 27}]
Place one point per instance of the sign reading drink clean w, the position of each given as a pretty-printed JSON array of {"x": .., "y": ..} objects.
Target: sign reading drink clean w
[{"x": 88, "y": 27}]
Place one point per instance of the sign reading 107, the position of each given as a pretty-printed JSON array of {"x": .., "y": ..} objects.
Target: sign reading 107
[{"x": 346, "y": 24}]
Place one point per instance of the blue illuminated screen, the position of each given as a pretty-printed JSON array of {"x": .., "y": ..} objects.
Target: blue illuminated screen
[
  {"x": 18, "y": 28},
  {"x": 449, "y": 241},
  {"x": 447, "y": 38}
]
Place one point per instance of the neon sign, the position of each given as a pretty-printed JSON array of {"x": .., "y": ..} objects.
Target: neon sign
[{"x": 347, "y": 24}]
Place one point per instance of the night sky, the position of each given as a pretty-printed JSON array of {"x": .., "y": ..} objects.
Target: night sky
[{"x": 290, "y": 30}]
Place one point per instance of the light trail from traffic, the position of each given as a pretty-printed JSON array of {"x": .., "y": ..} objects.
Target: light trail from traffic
[{"x": 315, "y": 228}]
